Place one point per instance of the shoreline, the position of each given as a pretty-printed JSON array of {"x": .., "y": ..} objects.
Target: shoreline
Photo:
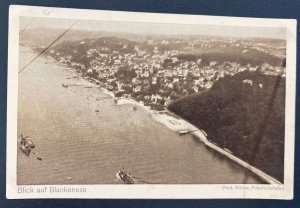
[{"x": 176, "y": 124}]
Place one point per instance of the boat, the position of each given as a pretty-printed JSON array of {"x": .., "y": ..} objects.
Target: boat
[
  {"x": 187, "y": 131},
  {"x": 25, "y": 149},
  {"x": 26, "y": 141},
  {"x": 26, "y": 144},
  {"x": 227, "y": 150},
  {"x": 183, "y": 132},
  {"x": 125, "y": 176},
  {"x": 30, "y": 142},
  {"x": 64, "y": 85}
]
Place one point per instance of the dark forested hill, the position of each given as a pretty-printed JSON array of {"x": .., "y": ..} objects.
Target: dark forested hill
[{"x": 238, "y": 111}]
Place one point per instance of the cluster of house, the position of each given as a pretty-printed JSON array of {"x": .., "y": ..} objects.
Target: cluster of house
[{"x": 155, "y": 78}]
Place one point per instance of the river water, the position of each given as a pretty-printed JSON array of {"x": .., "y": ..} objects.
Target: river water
[{"x": 82, "y": 137}]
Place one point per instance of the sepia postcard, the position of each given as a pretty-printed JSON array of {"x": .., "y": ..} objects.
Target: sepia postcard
[{"x": 109, "y": 104}]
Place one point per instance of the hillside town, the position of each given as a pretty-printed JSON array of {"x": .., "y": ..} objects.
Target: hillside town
[{"x": 155, "y": 77}]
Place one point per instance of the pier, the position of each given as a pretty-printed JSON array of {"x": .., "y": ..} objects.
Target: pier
[{"x": 267, "y": 178}]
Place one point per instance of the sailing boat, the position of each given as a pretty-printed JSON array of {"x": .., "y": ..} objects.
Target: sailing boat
[
  {"x": 125, "y": 176},
  {"x": 26, "y": 144}
]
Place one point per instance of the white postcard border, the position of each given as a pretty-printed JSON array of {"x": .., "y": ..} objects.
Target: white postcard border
[{"x": 149, "y": 191}]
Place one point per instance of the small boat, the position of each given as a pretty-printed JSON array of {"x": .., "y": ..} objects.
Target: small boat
[
  {"x": 125, "y": 176},
  {"x": 26, "y": 144},
  {"x": 30, "y": 142},
  {"x": 227, "y": 150},
  {"x": 25, "y": 149},
  {"x": 183, "y": 132},
  {"x": 26, "y": 141}
]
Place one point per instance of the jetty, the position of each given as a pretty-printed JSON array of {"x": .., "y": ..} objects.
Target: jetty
[
  {"x": 78, "y": 85},
  {"x": 201, "y": 135},
  {"x": 262, "y": 175}
]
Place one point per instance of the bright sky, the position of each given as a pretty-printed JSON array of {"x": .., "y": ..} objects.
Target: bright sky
[{"x": 154, "y": 28}]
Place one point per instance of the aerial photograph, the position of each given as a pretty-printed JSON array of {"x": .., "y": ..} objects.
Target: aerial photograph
[{"x": 114, "y": 102}]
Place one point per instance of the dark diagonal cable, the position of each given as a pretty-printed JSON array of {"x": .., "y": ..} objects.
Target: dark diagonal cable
[{"x": 43, "y": 51}]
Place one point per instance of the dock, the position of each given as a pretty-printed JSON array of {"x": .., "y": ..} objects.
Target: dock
[{"x": 262, "y": 175}]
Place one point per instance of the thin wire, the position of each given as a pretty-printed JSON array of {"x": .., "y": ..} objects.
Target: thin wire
[{"x": 43, "y": 51}]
